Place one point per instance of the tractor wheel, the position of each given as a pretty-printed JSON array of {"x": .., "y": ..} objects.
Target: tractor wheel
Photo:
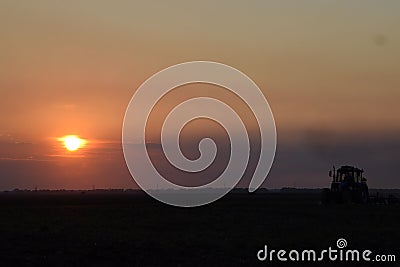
[
  {"x": 346, "y": 196},
  {"x": 364, "y": 196}
]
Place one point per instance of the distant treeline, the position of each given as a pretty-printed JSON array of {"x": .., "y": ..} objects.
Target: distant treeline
[{"x": 234, "y": 191}]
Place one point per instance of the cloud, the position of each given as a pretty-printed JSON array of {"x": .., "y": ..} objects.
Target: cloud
[{"x": 302, "y": 163}]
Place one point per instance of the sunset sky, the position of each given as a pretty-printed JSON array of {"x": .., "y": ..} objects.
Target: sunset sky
[{"x": 329, "y": 69}]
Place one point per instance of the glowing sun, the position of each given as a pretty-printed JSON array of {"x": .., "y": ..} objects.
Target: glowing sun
[{"x": 73, "y": 142}]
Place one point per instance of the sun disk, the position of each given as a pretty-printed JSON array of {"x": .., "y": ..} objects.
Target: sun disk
[{"x": 73, "y": 142}]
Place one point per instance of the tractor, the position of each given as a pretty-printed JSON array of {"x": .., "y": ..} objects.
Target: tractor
[{"x": 348, "y": 186}]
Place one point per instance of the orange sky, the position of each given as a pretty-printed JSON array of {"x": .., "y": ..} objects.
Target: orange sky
[{"x": 328, "y": 69}]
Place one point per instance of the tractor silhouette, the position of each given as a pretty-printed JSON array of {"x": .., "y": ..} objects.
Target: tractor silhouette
[{"x": 348, "y": 186}]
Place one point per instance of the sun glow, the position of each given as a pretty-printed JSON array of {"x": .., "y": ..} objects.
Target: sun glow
[{"x": 72, "y": 142}]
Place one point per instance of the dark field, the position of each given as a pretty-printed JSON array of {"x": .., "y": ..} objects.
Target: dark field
[{"x": 103, "y": 229}]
